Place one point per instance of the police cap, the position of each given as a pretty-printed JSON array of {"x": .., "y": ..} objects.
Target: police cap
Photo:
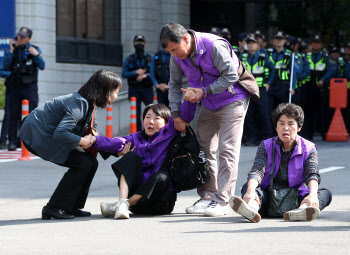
[
  {"x": 215, "y": 30},
  {"x": 292, "y": 39},
  {"x": 317, "y": 38},
  {"x": 225, "y": 31},
  {"x": 139, "y": 38},
  {"x": 25, "y": 32},
  {"x": 242, "y": 36},
  {"x": 332, "y": 48},
  {"x": 251, "y": 37},
  {"x": 279, "y": 35}
]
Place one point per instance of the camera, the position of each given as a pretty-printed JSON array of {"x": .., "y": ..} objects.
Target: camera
[{"x": 14, "y": 44}]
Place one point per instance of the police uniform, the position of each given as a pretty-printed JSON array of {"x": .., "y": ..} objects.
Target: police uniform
[
  {"x": 279, "y": 89},
  {"x": 159, "y": 73},
  {"x": 142, "y": 90},
  {"x": 6, "y": 120},
  {"x": 22, "y": 82},
  {"x": 316, "y": 110},
  {"x": 257, "y": 122}
]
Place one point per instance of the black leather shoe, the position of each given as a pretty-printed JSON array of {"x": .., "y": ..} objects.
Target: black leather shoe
[
  {"x": 2, "y": 145},
  {"x": 12, "y": 147},
  {"x": 81, "y": 213},
  {"x": 51, "y": 212}
]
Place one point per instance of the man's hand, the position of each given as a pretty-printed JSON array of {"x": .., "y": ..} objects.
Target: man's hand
[
  {"x": 180, "y": 124},
  {"x": 193, "y": 94},
  {"x": 141, "y": 77},
  {"x": 126, "y": 149},
  {"x": 140, "y": 71},
  {"x": 267, "y": 86},
  {"x": 33, "y": 51},
  {"x": 163, "y": 87},
  {"x": 320, "y": 84},
  {"x": 13, "y": 44},
  {"x": 292, "y": 91}
]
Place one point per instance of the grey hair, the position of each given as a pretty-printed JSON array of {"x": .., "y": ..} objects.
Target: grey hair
[{"x": 172, "y": 32}]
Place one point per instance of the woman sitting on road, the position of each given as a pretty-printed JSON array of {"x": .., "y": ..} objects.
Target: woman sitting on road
[
  {"x": 54, "y": 131},
  {"x": 296, "y": 165},
  {"x": 142, "y": 187}
]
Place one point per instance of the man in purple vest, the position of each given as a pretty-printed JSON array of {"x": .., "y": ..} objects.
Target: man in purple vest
[
  {"x": 211, "y": 67},
  {"x": 295, "y": 165}
]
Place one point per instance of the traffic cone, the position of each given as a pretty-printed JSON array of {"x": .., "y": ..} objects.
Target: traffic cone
[
  {"x": 109, "y": 125},
  {"x": 337, "y": 99},
  {"x": 133, "y": 125},
  {"x": 25, "y": 112}
]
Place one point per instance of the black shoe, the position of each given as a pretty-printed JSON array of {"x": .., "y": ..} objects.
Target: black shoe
[
  {"x": 81, "y": 213},
  {"x": 3, "y": 145},
  {"x": 12, "y": 147},
  {"x": 51, "y": 212}
]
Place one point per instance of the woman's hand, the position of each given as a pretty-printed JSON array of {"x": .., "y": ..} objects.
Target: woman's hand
[
  {"x": 85, "y": 142},
  {"x": 311, "y": 200},
  {"x": 250, "y": 196},
  {"x": 126, "y": 149}
]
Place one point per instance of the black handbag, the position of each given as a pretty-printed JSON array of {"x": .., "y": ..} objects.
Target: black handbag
[
  {"x": 187, "y": 163},
  {"x": 283, "y": 200}
]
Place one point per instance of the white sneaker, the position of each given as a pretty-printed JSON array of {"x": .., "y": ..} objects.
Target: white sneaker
[
  {"x": 242, "y": 208},
  {"x": 214, "y": 209},
  {"x": 198, "y": 207},
  {"x": 108, "y": 209},
  {"x": 303, "y": 214},
  {"x": 122, "y": 209}
]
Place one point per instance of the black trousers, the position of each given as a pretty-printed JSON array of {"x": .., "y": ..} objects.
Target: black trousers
[
  {"x": 258, "y": 120},
  {"x": 157, "y": 196},
  {"x": 324, "y": 197},
  {"x": 16, "y": 95},
  {"x": 162, "y": 97},
  {"x": 72, "y": 191}
]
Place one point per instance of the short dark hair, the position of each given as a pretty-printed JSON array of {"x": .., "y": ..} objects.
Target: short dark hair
[
  {"x": 291, "y": 111},
  {"x": 159, "y": 109},
  {"x": 99, "y": 86},
  {"x": 172, "y": 32}
]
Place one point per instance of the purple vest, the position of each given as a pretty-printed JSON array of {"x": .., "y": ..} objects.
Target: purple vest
[
  {"x": 295, "y": 167},
  {"x": 203, "y": 59}
]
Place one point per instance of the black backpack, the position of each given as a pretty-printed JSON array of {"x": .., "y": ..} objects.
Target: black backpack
[{"x": 187, "y": 163}]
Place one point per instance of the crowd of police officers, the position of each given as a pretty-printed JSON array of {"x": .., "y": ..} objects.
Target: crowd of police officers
[{"x": 307, "y": 80}]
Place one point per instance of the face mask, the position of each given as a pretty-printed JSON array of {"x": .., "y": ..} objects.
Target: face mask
[
  {"x": 140, "y": 49},
  {"x": 245, "y": 47}
]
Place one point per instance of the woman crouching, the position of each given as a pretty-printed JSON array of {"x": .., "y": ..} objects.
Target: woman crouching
[
  {"x": 295, "y": 162},
  {"x": 143, "y": 189}
]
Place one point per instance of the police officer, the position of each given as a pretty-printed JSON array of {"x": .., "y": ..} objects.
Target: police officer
[
  {"x": 242, "y": 44},
  {"x": 136, "y": 69},
  {"x": 261, "y": 38},
  {"x": 258, "y": 125},
  {"x": 6, "y": 120},
  {"x": 159, "y": 74},
  {"x": 226, "y": 34},
  {"x": 317, "y": 89},
  {"x": 23, "y": 61},
  {"x": 302, "y": 71},
  {"x": 279, "y": 90}
]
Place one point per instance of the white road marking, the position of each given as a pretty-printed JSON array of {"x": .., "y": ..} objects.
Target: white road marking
[{"x": 329, "y": 169}]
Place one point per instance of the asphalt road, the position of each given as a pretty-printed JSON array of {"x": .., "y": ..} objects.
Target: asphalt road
[{"x": 26, "y": 186}]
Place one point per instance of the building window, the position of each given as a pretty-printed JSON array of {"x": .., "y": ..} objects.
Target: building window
[{"x": 88, "y": 31}]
